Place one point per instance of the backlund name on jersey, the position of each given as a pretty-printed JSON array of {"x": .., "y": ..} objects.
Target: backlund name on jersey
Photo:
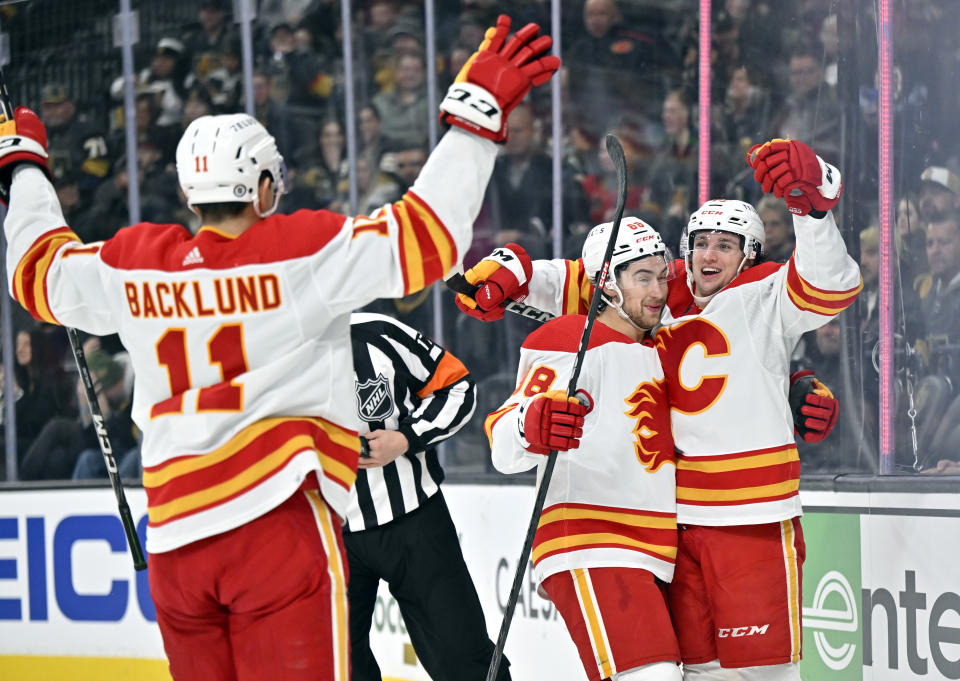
[{"x": 203, "y": 298}]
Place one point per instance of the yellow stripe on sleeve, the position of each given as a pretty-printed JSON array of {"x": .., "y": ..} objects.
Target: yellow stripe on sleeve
[
  {"x": 413, "y": 259},
  {"x": 439, "y": 236}
]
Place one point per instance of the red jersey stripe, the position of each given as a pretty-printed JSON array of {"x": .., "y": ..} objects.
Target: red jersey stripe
[
  {"x": 446, "y": 246},
  {"x": 784, "y": 452},
  {"x": 583, "y": 509},
  {"x": 650, "y": 535},
  {"x": 812, "y": 299},
  {"x": 737, "y": 502},
  {"x": 188, "y": 484},
  {"x": 577, "y": 290},
  {"x": 272, "y": 239},
  {"x": 738, "y": 479},
  {"x": 573, "y": 527},
  {"x": 563, "y": 335},
  {"x": 30, "y": 276},
  {"x": 430, "y": 256},
  {"x": 575, "y": 544},
  {"x": 738, "y": 496}
]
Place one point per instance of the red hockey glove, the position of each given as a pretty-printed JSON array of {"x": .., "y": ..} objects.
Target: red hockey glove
[
  {"x": 22, "y": 140},
  {"x": 503, "y": 275},
  {"x": 814, "y": 407},
  {"x": 553, "y": 421},
  {"x": 789, "y": 169},
  {"x": 496, "y": 78}
]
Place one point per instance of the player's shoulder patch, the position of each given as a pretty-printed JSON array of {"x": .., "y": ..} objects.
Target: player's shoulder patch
[{"x": 563, "y": 335}]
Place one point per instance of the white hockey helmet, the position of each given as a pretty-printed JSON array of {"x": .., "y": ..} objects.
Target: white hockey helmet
[
  {"x": 636, "y": 239},
  {"x": 220, "y": 159},
  {"x": 728, "y": 215}
]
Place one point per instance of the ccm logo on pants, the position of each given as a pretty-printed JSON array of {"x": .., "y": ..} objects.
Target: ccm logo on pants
[{"x": 737, "y": 632}]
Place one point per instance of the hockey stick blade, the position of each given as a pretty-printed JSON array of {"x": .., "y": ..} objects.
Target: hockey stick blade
[
  {"x": 620, "y": 164},
  {"x": 458, "y": 283},
  {"x": 103, "y": 438}
]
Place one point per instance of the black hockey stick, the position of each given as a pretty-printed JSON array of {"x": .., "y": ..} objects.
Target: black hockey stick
[
  {"x": 615, "y": 152},
  {"x": 457, "y": 282},
  {"x": 126, "y": 518}
]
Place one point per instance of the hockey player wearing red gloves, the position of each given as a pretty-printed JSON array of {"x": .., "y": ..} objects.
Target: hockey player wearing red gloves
[
  {"x": 239, "y": 338},
  {"x": 726, "y": 342},
  {"x": 608, "y": 527}
]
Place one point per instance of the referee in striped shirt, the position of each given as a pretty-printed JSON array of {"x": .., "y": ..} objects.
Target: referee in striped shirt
[{"x": 410, "y": 394}]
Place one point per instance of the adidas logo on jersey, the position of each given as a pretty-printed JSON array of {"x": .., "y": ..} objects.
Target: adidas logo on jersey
[{"x": 193, "y": 257}]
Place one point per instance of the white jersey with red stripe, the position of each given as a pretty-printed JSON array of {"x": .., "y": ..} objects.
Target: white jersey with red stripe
[
  {"x": 727, "y": 371},
  {"x": 610, "y": 502},
  {"x": 241, "y": 344}
]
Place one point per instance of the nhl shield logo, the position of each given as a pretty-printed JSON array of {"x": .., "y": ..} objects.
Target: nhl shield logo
[{"x": 374, "y": 401}]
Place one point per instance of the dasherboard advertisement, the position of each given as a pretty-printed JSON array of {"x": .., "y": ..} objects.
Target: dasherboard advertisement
[
  {"x": 880, "y": 599},
  {"x": 880, "y": 585}
]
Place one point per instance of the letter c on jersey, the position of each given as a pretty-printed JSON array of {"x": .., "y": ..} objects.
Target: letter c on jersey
[{"x": 674, "y": 344}]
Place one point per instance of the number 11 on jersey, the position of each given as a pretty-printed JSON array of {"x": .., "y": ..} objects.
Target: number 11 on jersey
[{"x": 224, "y": 348}]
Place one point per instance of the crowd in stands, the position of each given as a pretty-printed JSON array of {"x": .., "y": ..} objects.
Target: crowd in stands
[{"x": 631, "y": 68}]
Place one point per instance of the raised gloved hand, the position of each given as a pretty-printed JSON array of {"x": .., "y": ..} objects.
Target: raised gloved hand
[
  {"x": 552, "y": 420},
  {"x": 22, "y": 140},
  {"x": 496, "y": 78},
  {"x": 789, "y": 169},
  {"x": 501, "y": 276},
  {"x": 814, "y": 407}
]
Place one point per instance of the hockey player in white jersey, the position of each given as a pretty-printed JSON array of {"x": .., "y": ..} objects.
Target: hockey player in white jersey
[
  {"x": 239, "y": 339},
  {"x": 725, "y": 350},
  {"x": 608, "y": 526}
]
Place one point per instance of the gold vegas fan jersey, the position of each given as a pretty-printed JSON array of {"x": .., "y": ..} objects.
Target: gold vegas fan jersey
[
  {"x": 610, "y": 502},
  {"x": 727, "y": 371},
  {"x": 241, "y": 345}
]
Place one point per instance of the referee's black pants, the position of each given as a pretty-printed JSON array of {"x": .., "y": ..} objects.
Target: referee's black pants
[{"x": 419, "y": 557}]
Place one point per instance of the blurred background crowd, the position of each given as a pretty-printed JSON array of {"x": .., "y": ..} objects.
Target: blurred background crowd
[{"x": 805, "y": 70}]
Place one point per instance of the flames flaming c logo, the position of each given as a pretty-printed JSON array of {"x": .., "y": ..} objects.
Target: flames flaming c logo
[{"x": 653, "y": 440}]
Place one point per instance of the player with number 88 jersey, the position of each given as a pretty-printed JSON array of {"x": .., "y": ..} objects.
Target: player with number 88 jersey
[
  {"x": 725, "y": 347},
  {"x": 608, "y": 526},
  {"x": 240, "y": 341}
]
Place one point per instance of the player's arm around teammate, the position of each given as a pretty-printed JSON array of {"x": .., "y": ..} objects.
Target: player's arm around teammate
[{"x": 607, "y": 526}]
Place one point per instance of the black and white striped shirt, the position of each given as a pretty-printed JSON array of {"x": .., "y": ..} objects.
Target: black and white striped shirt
[{"x": 406, "y": 382}]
